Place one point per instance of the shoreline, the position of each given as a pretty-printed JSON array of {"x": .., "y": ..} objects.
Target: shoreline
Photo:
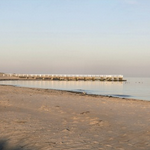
[
  {"x": 39, "y": 119},
  {"x": 78, "y": 92}
]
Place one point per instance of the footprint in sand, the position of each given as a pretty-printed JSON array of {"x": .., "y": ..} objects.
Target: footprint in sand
[
  {"x": 44, "y": 108},
  {"x": 86, "y": 112},
  {"x": 100, "y": 123},
  {"x": 66, "y": 130}
]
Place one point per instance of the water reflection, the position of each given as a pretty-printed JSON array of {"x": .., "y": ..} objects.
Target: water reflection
[
  {"x": 137, "y": 88},
  {"x": 92, "y": 87}
]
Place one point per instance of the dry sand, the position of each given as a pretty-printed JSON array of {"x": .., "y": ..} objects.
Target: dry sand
[{"x": 38, "y": 119}]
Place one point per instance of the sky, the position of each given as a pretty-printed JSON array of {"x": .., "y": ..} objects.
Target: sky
[{"x": 106, "y": 37}]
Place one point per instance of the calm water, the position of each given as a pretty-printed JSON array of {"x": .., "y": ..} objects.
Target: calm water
[{"x": 137, "y": 88}]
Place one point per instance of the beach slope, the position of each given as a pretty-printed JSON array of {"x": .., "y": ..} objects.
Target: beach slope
[{"x": 40, "y": 119}]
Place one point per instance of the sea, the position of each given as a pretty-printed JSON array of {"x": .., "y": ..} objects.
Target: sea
[{"x": 132, "y": 88}]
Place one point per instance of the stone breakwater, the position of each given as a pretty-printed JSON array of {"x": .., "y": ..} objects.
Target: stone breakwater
[{"x": 65, "y": 77}]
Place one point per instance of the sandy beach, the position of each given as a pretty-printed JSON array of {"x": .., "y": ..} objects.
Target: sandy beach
[{"x": 41, "y": 119}]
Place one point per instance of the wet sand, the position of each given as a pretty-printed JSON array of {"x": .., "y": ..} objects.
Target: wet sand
[{"x": 38, "y": 119}]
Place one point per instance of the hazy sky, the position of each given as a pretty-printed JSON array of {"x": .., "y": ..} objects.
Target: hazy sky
[{"x": 75, "y": 36}]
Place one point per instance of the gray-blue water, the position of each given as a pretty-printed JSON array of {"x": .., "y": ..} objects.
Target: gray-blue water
[{"x": 135, "y": 88}]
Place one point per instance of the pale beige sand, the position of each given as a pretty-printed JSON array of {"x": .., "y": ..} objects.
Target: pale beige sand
[{"x": 38, "y": 119}]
